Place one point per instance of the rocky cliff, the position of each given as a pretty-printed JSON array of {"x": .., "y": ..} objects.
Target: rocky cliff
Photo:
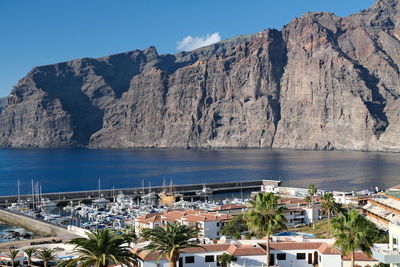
[{"x": 322, "y": 82}]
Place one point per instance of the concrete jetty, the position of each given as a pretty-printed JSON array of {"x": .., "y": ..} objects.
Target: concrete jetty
[
  {"x": 36, "y": 226},
  {"x": 187, "y": 191}
]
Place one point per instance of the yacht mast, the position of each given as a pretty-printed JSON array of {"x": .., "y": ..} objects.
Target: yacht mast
[
  {"x": 99, "y": 188},
  {"x": 18, "y": 190},
  {"x": 33, "y": 196}
]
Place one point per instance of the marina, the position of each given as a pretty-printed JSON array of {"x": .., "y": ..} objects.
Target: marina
[
  {"x": 188, "y": 191},
  {"x": 118, "y": 208}
]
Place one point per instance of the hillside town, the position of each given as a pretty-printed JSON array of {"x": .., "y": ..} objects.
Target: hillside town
[{"x": 275, "y": 226}]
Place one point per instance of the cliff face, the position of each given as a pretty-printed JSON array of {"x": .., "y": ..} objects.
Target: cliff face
[{"x": 322, "y": 82}]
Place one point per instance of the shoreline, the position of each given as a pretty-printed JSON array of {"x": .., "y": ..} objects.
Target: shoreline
[{"x": 28, "y": 148}]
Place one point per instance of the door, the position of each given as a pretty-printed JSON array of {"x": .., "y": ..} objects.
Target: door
[
  {"x": 315, "y": 258},
  {"x": 309, "y": 258},
  {"x": 271, "y": 259}
]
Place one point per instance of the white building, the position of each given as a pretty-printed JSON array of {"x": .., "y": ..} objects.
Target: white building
[
  {"x": 209, "y": 223},
  {"x": 352, "y": 198},
  {"x": 251, "y": 253},
  {"x": 389, "y": 253},
  {"x": 302, "y": 215}
]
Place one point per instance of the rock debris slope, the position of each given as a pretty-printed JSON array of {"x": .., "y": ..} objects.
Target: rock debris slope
[{"x": 322, "y": 82}]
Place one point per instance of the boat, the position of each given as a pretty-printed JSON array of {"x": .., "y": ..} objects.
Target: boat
[
  {"x": 101, "y": 201},
  {"x": 168, "y": 197},
  {"x": 205, "y": 191},
  {"x": 47, "y": 203}
]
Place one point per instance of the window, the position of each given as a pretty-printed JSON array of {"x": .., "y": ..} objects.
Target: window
[
  {"x": 218, "y": 233},
  {"x": 394, "y": 241},
  {"x": 189, "y": 259},
  {"x": 281, "y": 256},
  {"x": 217, "y": 224},
  {"x": 301, "y": 256},
  {"x": 319, "y": 258},
  {"x": 210, "y": 258}
]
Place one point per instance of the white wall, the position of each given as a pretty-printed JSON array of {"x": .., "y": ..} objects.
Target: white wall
[
  {"x": 211, "y": 229},
  {"x": 330, "y": 261},
  {"x": 291, "y": 258},
  {"x": 199, "y": 260},
  {"x": 249, "y": 261}
]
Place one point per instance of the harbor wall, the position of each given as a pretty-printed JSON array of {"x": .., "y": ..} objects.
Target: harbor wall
[
  {"x": 30, "y": 224},
  {"x": 78, "y": 231}
]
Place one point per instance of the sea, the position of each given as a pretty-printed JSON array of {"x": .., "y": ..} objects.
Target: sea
[{"x": 62, "y": 170}]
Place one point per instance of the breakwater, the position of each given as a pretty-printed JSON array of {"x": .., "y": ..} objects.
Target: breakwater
[
  {"x": 36, "y": 226},
  {"x": 188, "y": 191}
]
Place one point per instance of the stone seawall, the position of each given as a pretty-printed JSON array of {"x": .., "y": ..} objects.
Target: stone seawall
[{"x": 36, "y": 226}]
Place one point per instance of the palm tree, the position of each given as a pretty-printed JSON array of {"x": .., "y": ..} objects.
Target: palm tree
[
  {"x": 12, "y": 254},
  {"x": 312, "y": 191},
  {"x": 129, "y": 235},
  {"x": 329, "y": 205},
  {"x": 170, "y": 240},
  {"x": 101, "y": 248},
  {"x": 46, "y": 255},
  {"x": 308, "y": 200},
  {"x": 29, "y": 253},
  {"x": 265, "y": 216},
  {"x": 353, "y": 232},
  {"x": 225, "y": 259}
]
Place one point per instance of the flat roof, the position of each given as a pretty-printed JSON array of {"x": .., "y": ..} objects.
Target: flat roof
[{"x": 393, "y": 194}]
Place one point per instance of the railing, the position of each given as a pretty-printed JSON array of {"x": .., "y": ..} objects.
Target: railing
[{"x": 385, "y": 250}]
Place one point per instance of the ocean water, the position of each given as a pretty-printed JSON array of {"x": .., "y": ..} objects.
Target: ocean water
[
  {"x": 4, "y": 228},
  {"x": 60, "y": 170}
]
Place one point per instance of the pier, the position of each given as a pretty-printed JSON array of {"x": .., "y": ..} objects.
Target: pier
[{"x": 187, "y": 191}]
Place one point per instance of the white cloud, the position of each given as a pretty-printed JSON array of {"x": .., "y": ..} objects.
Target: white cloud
[{"x": 190, "y": 43}]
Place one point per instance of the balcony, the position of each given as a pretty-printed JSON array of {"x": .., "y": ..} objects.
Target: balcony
[{"x": 382, "y": 253}]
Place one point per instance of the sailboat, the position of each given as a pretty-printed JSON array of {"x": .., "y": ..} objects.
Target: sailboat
[
  {"x": 151, "y": 198},
  {"x": 19, "y": 205},
  {"x": 168, "y": 197},
  {"x": 101, "y": 201},
  {"x": 46, "y": 203}
]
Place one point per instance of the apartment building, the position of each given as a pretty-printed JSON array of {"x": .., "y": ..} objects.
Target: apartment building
[
  {"x": 209, "y": 223},
  {"x": 251, "y": 253}
]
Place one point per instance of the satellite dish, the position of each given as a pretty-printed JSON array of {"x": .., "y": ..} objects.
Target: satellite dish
[{"x": 222, "y": 239}]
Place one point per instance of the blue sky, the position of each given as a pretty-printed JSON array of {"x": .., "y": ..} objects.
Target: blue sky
[{"x": 43, "y": 32}]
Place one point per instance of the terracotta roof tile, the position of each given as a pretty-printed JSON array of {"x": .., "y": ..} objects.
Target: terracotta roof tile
[
  {"x": 396, "y": 187},
  {"x": 245, "y": 250},
  {"x": 326, "y": 249},
  {"x": 230, "y": 207},
  {"x": 359, "y": 256},
  {"x": 294, "y": 245}
]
